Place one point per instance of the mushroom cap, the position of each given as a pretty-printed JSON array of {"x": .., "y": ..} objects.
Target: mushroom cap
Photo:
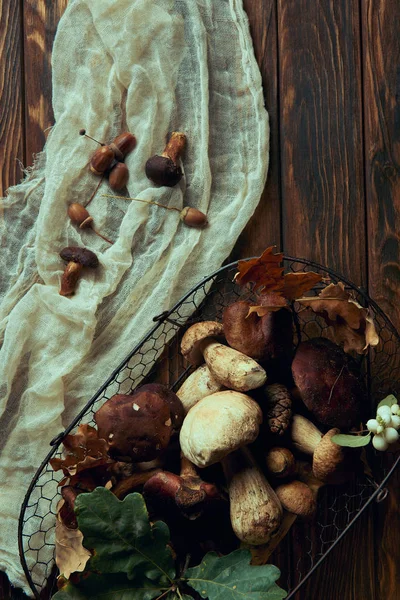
[
  {"x": 328, "y": 380},
  {"x": 83, "y": 256},
  {"x": 280, "y": 462},
  {"x": 297, "y": 498},
  {"x": 218, "y": 425},
  {"x": 191, "y": 341},
  {"x": 161, "y": 170},
  {"x": 177, "y": 411},
  {"x": 137, "y": 427},
  {"x": 327, "y": 458}
]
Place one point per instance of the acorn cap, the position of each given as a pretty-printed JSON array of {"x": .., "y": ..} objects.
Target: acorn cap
[
  {"x": 82, "y": 256},
  {"x": 191, "y": 341}
]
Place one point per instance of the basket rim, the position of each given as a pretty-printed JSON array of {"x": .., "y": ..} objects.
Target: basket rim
[{"x": 55, "y": 442}]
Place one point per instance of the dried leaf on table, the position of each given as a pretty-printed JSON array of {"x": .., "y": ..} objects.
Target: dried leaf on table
[
  {"x": 352, "y": 324},
  {"x": 297, "y": 284},
  {"x": 71, "y": 556}
]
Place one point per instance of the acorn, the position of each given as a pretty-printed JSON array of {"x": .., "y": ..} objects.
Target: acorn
[{"x": 81, "y": 217}]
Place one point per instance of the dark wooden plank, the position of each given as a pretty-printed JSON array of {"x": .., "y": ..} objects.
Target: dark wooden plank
[
  {"x": 40, "y": 24},
  {"x": 321, "y": 133},
  {"x": 11, "y": 95},
  {"x": 264, "y": 228},
  {"x": 381, "y": 52}
]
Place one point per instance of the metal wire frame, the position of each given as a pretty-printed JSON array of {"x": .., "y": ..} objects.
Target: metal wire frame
[{"x": 171, "y": 317}]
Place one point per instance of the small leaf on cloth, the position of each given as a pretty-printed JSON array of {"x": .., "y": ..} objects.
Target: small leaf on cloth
[
  {"x": 109, "y": 587},
  {"x": 71, "y": 556},
  {"x": 265, "y": 272},
  {"x": 122, "y": 538},
  {"x": 353, "y": 326},
  {"x": 351, "y": 441},
  {"x": 388, "y": 401},
  {"x": 84, "y": 450},
  {"x": 232, "y": 577}
]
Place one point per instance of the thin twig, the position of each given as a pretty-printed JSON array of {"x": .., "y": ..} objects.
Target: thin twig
[
  {"x": 164, "y": 593},
  {"x": 102, "y": 236},
  {"x": 333, "y": 387},
  {"x": 144, "y": 201},
  {"x": 95, "y": 191}
]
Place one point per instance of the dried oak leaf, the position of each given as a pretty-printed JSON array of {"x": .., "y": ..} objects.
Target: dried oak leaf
[
  {"x": 274, "y": 287},
  {"x": 71, "y": 556},
  {"x": 353, "y": 326},
  {"x": 83, "y": 450}
]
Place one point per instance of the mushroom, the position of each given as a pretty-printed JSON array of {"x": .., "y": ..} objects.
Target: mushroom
[
  {"x": 231, "y": 368},
  {"x": 173, "y": 401},
  {"x": 185, "y": 494},
  {"x": 328, "y": 381},
  {"x": 164, "y": 170},
  {"x": 217, "y": 425},
  {"x": 280, "y": 462},
  {"x": 328, "y": 458},
  {"x": 297, "y": 498},
  {"x": 76, "y": 258},
  {"x": 198, "y": 385},
  {"x": 137, "y": 427},
  {"x": 256, "y": 512},
  {"x": 125, "y": 486}
]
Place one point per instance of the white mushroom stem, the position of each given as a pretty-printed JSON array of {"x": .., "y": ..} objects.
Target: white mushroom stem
[
  {"x": 198, "y": 385},
  {"x": 305, "y": 436},
  {"x": 256, "y": 513},
  {"x": 234, "y": 370}
]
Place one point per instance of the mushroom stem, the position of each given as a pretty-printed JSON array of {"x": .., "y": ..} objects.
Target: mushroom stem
[
  {"x": 187, "y": 468},
  {"x": 128, "y": 485},
  {"x": 175, "y": 146},
  {"x": 305, "y": 436},
  {"x": 70, "y": 278}
]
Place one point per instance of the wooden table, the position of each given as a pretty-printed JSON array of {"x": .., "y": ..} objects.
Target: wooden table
[{"x": 331, "y": 74}]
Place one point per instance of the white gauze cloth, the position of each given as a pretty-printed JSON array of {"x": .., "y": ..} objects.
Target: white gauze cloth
[{"x": 150, "y": 67}]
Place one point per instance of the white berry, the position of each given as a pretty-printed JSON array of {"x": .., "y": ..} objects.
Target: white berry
[
  {"x": 395, "y": 422},
  {"x": 385, "y": 413},
  {"x": 395, "y": 409},
  {"x": 379, "y": 443},
  {"x": 391, "y": 435},
  {"x": 372, "y": 425},
  {"x": 379, "y": 429}
]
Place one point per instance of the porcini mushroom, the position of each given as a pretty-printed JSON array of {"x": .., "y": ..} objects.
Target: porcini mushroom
[
  {"x": 76, "y": 259},
  {"x": 297, "y": 498},
  {"x": 231, "y": 368},
  {"x": 198, "y": 385},
  {"x": 328, "y": 457},
  {"x": 137, "y": 427},
  {"x": 280, "y": 462},
  {"x": 329, "y": 383},
  {"x": 217, "y": 425},
  {"x": 256, "y": 512},
  {"x": 186, "y": 493},
  {"x": 164, "y": 170}
]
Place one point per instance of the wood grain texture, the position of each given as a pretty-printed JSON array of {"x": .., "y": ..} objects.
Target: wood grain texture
[
  {"x": 264, "y": 228},
  {"x": 11, "y": 95},
  {"x": 381, "y": 50},
  {"x": 321, "y": 133},
  {"x": 381, "y": 57},
  {"x": 40, "y": 20}
]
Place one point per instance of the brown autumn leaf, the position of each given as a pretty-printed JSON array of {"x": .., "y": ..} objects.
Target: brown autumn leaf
[
  {"x": 265, "y": 272},
  {"x": 274, "y": 287},
  {"x": 83, "y": 451},
  {"x": 71, "y": 556},
  {"x": 352, "y": 324}
]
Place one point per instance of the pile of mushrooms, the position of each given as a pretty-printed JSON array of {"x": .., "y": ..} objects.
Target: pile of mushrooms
[{"x": 227, "y": 445}]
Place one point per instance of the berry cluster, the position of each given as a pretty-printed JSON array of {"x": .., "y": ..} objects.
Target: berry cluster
[{"x": 385, "y": 426}]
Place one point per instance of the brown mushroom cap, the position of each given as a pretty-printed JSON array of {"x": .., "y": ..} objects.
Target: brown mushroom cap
[
  {"x": 83, "y": 256},
  {"x": 197, "y": 333},
  {"x": 328, "y": 458},
  {"x": 161, "y": 170},
  {"x": 280, "y": 462},
  {"x": 136, "y": 427},
  {"x": 297, "y": 498},
  {"x": 177, "y": 411}
]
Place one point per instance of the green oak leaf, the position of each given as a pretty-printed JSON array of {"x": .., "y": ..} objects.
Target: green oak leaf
[
  {"x": 388, "y": 401},
  {"x": 351, "y": 441},
  {"x": 232, "y": 577},
  {"x": 122, "y": 538},
  {"x": 109, "y": 587}
]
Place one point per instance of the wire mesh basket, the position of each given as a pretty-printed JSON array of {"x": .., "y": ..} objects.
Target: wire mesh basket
[{"x": 157, "y": 358}]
